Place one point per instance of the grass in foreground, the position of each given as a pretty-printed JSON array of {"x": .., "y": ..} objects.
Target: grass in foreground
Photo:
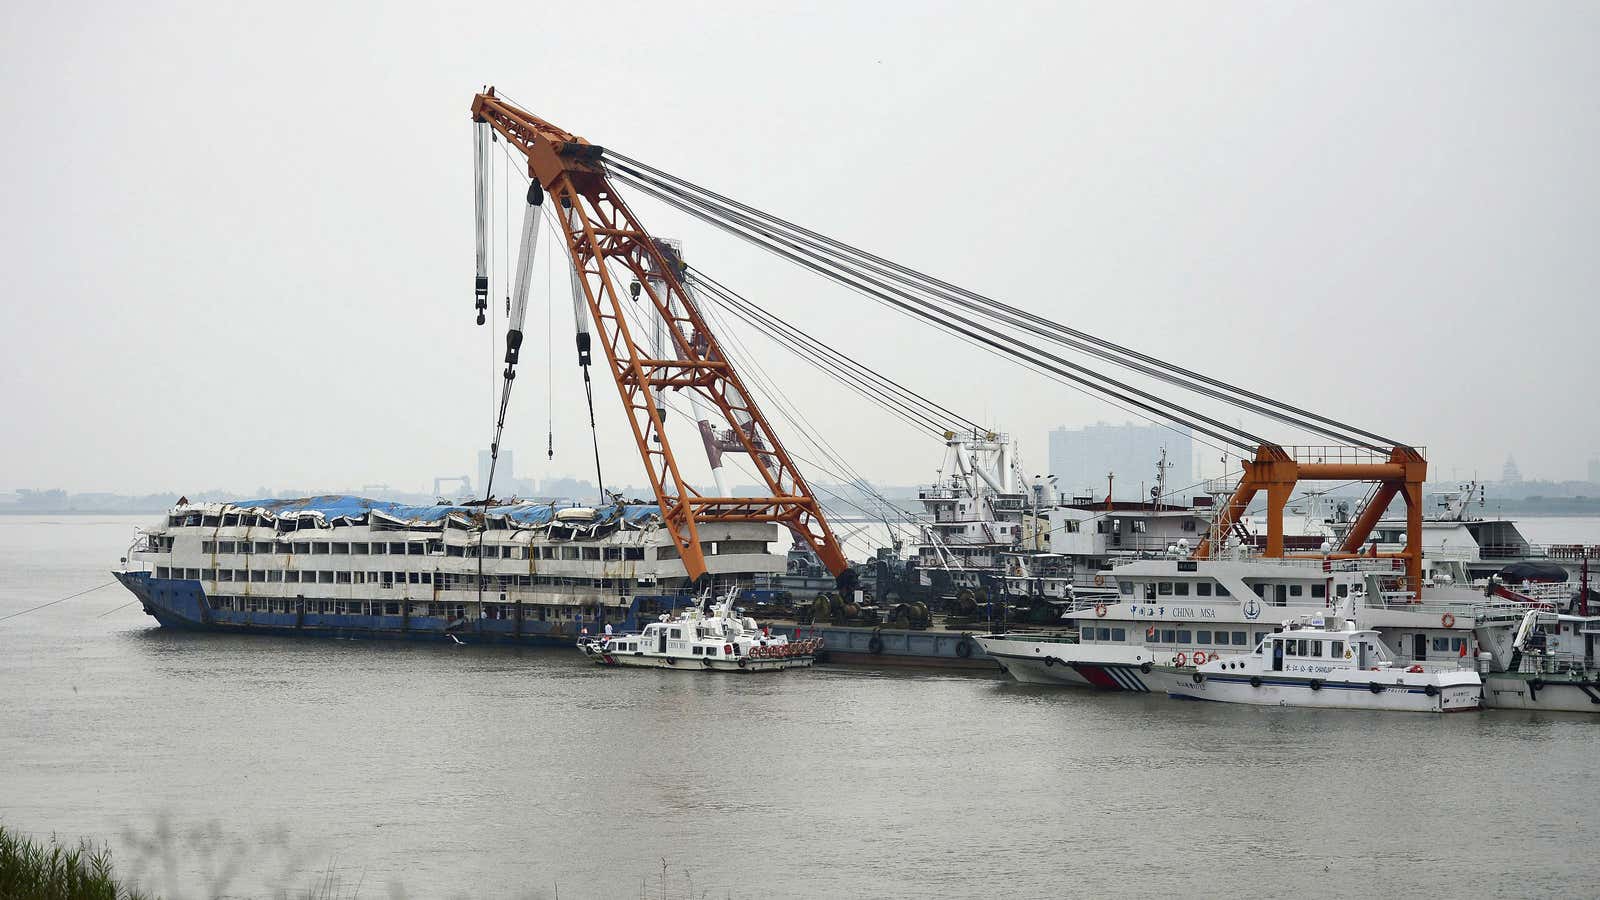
[{"x": 33, "y": 871}]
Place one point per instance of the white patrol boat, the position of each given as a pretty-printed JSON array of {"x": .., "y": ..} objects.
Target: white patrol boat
[
  {"x": 1332, "y": 664},
  {"x": 703, "y": 638}
]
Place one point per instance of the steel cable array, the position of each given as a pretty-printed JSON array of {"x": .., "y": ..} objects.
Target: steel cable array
[{"x": 943, "y": 304}]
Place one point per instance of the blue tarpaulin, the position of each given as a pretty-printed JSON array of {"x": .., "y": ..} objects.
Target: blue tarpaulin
[{"x": 334, "y": 506}]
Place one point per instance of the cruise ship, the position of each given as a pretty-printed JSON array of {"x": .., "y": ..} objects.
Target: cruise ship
[{"x": 355, "y": 568}]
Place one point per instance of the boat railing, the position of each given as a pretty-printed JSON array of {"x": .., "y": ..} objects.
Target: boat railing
[
  {"x": 1546, "y": 662},
  {"x": 1543, "y": 551}
]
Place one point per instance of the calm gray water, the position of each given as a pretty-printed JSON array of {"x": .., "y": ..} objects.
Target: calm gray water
[{"x": 260, "y": 766}]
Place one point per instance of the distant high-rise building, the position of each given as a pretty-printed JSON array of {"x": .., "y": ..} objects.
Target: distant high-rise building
[
  {"x": 1081, "y": 458},
  {"x": 1511, "y": 474},
  {"x": 503, "y": 473}
]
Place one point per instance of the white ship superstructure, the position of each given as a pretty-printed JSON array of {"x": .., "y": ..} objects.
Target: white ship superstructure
[{"x": 356, "y": 567}]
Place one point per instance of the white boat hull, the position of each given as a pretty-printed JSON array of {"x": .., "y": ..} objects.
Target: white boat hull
[
  {"x": 744, "y": 664},
  {"x": 1510, "y": 690},
  {"x": 1102, "y": 666},
  {"x": 1397, "y": 692}
]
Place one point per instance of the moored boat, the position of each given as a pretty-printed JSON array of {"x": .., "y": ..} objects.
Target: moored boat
[
  {"x": 703, "y": 638},
  {"x": 1318, "y": 663}
]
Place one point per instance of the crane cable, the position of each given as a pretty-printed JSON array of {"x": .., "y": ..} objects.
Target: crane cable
[
  {"x": 1111, "y": 351},
  {"x": 770, "y": 324},
  {"x": 998, "y": 340}
]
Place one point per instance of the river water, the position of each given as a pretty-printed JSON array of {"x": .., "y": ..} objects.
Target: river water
[{"x": 231, "y": 766}]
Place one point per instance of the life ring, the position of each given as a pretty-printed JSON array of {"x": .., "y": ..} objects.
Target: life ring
[
  {"x": 1198, "y": 678},
  {"x": 1100, "y": 610},
  {"x": 875, "y": 644},
  {"x": 1447, "y": 620},
  {"x": 1099, "y": 581},
  {"x": 1200, "y": 657},
  {"x": 1255, "y": 681},
  {"x": 1414, "y": 669},
  {"x": 1182, "y": 659},
  {"x": 964, "y": 648}
]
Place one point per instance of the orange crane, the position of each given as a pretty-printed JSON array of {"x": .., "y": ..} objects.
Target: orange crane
[
  {"x": 604, "y": 238},
  {"x": 1277, "y": 470}
]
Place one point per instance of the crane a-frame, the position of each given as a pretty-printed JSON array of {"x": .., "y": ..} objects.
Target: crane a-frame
[{"x": 602, "y": 232}]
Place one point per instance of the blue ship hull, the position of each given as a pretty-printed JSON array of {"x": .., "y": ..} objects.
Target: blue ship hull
[{"x": 181, "y": 604}]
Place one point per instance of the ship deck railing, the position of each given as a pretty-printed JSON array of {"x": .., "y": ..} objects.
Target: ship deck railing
[{"x": 1575, "y": 552}]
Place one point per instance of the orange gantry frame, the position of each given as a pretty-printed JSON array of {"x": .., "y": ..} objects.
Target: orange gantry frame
[
  {"x": 600, "y": 230},
  {"x": 1276, "y": 471}
]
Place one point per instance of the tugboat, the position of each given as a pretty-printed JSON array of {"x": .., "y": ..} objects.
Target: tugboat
[
  {"x": 1327, "y": 665},
  {"x": 704, "y": 638}
]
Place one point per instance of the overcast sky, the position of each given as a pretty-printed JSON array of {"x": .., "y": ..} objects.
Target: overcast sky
[{"x": 238, "y": 248}]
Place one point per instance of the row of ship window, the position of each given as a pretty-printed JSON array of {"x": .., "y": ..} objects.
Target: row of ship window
[
  {"x": 291, "y": 605},
  {"x": 416, "y": 548},
  {"x": 1175, "y": 636},
  {"x": 1153, "y": 590},
  {"x": 445, "y": 580}
]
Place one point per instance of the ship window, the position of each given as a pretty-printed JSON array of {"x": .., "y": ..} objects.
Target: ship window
[
  {"x": 1183, "y": 636},
  {"x": 225, "y": 546},
  {"x": 1336, "y": 649},
  {"x": 1222, "y": 638},
  {"x": 1164, "y": 588},
  {"x": 342, "y": 578},
  {"x": 1126, "y": 588},
  {"x": 258, "y": 575},
  {"x": 1202, "y": 637},
  {"x": 325, "y": 577},
  {"x": 1149, "y": 590},
  {"x": 1222, "y": 590},
  {"x": 381, "y": 549},
  {"x": 1296, "y": 590},
  {"x": 613, "y": 553},
  {"x": 1203, "y": 589},
  {"x": 591, "y": 552},
  {"x": 281, "y": 547},
  {"x": 275, "y": 575},
  {"x": 241, "y": 575},
  {"x": 302, "y": 547},
  {"x": 161, "y": 571},
  {"x": 1316, "y": 648},
  {"x": 208, "y": 546},
  {"x": 210, "y": 521},
  {"x": 416, "y": 548},
  {"x": 339, "y": 547},
  {"x": 230, "y": 520},
  {"x": 1319, "y": 590},
  {"x": 1344, "y": 590},
  {"x": 1441, "y": 644},
  {"x": 1168, "y": 636},
  {"x": 696, "y": 651},
  {"x": 263, "y": 547},
  {"x": 569, "y": 552},
  {"x": 675, "y": 633},
  {"x": 1119, "y": 634},
  {"x": 1260, "y": 589},
  {"x": 319, "y": 548},
  {"x": 1181, "y": 589},
  {"x": 397, "y": 549}
]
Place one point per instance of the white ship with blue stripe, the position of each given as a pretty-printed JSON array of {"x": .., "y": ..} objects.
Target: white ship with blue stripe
[
  {"x": 350, "y": 567},
  {"x": 1328, "y": 663}
]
